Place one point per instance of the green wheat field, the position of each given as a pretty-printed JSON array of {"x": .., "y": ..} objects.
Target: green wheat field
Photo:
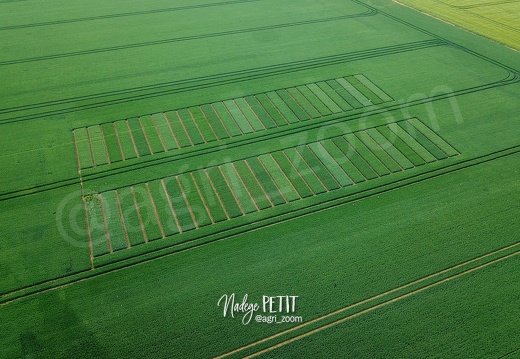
[{"x": 361, "y": 157}]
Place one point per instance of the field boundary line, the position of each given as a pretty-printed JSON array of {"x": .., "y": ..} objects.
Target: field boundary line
[{"x": 377, "y": 306}]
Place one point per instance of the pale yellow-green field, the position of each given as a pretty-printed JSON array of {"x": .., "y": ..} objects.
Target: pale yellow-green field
[{"x": 497, "y": 20}]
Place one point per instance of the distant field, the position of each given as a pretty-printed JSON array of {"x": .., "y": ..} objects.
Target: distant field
[
  {"x": 358, "y": 154},
  {"x": 497, "y": 20}
]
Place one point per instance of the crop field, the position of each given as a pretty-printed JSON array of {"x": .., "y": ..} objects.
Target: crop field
[
  {"x": 259, "y": 178},
  {"x": 497, "y": 20}
]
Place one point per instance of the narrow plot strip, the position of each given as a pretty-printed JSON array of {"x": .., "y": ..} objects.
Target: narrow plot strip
[{"x": 189, "y": 201}]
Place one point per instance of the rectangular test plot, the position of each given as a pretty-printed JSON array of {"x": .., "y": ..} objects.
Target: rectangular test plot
[
  {"x": 305, "y": 171},
  {"x": 150, "y": 131},
  {"x": 282, "y": 107},
  {"x": 401, "y": 146},
  {"x": 140, "y": 140},
  {"x": 164, "y": 131},
  {"x": 293, "y": 105},
  {"x": 126, "y": 140},
  {"x": 178, "y": 204},
  {"x": 284, "y": 185},
  {"x": 238, "y": 188},
  {"x": 147, "y": 210},
  {"x": 319, "y": 93},
  {"x": 432, "y": 136},
  {"x": 265, "y": 181},
  {"x": 333, "y": 95},
  {"x": 261, "y": 112},
  {"x": 321, "y": 171},
  {"x": 164, "y": 210},
  {"x": 378, "y": 151},
  {"x": 202, "y": 124},
  {"x": 96, "y": 225},
  {"x": 272, "y": 110},
  {"x": 132, "y": 222},
  {"x": 83, "y": 148},
  {"x": 238, "y": 116},
  {"x": 314, "y": 100},
  {"x": 367, "y": 155},
  {"x": 209, "y": 196},
  {"x": 191, "y": 127},
  {"x": 357, "y": 160},
  {"x": 294, "y": 176},
  {"x": 401, "y": 159},
  {"x": 178, "y": 130},
  {"x": 411, "y": 142},
  {"x": 98, "y": 145},
  {"x": 215, "y": 122},
  {"x": 343, "y": 161},
  {"x": 112, "y": 142},
  {"x": 303, "y": 102},
  {"x": 337, "y": 172},
  {"x": 228, "y": 120},
  {"x": 250, "y": 115},
  {"x": 252, "y": 185},
  {"x": 223, "y": 192},
  {"x": 118, "y": 236},
  {"x": 196, "y": 206}
]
